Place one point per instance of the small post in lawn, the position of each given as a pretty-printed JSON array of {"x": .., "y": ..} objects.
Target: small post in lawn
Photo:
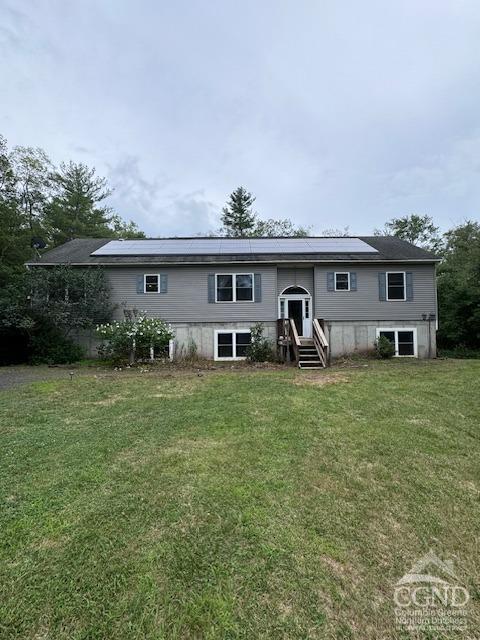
[{"x": 132, "y": 353}]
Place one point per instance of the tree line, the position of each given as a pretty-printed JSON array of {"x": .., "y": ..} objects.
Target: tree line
[{"x": 42, "y": 206}]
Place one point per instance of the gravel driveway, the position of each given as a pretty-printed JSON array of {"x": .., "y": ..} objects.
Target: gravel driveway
[{"x": 14, "y": 376}]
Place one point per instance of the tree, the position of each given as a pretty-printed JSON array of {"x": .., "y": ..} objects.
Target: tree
[
  {"x": 31, "y": 168},
  {"x": 121, "y": 229},
  {"x": 279, "y": 229},
  {"x": 239, "y": 221},
  {"x": 418, "y": 230},
  {"x": 336, "y": 233},
  {"x": 76, "y": 209},
  {"x": 459, "y": 287},
  {"x": 237, "y": 216},
  {"x": 13, "y": 238}
]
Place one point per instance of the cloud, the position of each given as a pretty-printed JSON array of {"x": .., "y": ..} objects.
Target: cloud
[
  {"x": 157, "y": 209},
  {"x": 332, "y": 114}
]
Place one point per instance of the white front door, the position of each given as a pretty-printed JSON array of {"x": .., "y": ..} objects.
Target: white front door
[{"x": 299, "y": 308}]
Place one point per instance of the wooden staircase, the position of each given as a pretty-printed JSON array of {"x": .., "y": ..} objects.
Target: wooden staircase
[
  {"x": 308, "y": 353},
  {"x": 308, "y": 356}
]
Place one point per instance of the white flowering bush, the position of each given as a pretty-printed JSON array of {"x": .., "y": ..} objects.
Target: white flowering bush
[{"x": 134, "y": 339}]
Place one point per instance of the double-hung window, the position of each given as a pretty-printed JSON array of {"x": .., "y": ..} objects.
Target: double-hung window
[
  {"x": 151, "y": 282},
  {"x": 234, "y": 287},
  {"x": 231, "y": 345},
  {"x": 396, "y": 285},
  {"x": 342, "y": 281},
  {"x": 404, "y": 340}
]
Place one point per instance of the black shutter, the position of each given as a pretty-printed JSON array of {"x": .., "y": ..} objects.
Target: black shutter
[{"x": 140, "y": 288}]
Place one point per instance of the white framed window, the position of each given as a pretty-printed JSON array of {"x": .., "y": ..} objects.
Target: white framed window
[
  {"x": 231, "y": 344},
  {"x": 396, "y": 288},
  {"x": 151, "y": 283},
  {"x": 342, "y": 281},
  {"x": 234, "y": 287},
  {"x": 404, "y": 340}
]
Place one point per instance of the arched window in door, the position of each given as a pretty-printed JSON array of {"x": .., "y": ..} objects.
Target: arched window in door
[{"x": 294, "y": 291}]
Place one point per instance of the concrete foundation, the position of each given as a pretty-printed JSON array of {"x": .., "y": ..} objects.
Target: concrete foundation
[
  {"x": 344, "y": 337},
  {"x": 203, "y": 335},
  {"x": 359, "y": 337}
]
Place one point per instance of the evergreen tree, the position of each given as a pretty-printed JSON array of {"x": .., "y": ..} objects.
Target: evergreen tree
[
  {"x": 237, "y": 216},
  {"x": 76, "y": 209}
]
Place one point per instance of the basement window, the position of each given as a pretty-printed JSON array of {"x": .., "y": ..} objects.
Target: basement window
[
  {"x": 231, "y": 345},
  {"x": 404, "y": 340}
]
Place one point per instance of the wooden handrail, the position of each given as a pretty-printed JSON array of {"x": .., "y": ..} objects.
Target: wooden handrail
[
  {"x": 293, "y": 329},
  {"x": 295, "y": 340},
  {"x": 317, "y": 329},
  {"x": 321, "y": 342}
]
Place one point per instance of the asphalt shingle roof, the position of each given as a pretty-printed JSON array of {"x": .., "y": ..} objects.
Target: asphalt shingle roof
[{"x": 78, "y": 252}]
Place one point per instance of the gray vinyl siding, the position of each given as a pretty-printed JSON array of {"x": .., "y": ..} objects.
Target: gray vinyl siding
[
  {"x": 364, "y": 304},
  {"x": 187, "y": 296},
  {"x": 300, "y": 277}
]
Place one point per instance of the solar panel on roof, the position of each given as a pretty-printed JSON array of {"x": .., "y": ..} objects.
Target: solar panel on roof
[{"x": 219, "y": 246}]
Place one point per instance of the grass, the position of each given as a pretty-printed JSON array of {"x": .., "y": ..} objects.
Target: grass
[{"x": 246, "y": 504}]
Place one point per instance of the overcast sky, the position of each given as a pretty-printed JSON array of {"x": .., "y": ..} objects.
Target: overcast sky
[{"x": 332, "y": 113}]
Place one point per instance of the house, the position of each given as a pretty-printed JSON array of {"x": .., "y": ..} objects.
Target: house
[{"x": 317, "y": 297}]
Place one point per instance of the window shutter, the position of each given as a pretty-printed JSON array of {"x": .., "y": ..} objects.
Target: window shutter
[
  {"x": 211, "y": 287},
  {"x": 382, "y": 286},
  {"x": 140, "y": 284},
  {"x": 163, "y": 282},
  {"x": 409, "y": 285},
  {"x": 353, "y": 281},
  {"x": 257, "y": 279},
  {"x": 330, "y": 281}
]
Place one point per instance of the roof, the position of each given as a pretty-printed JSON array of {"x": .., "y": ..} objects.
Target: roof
[{"x": 88, "y": 251}]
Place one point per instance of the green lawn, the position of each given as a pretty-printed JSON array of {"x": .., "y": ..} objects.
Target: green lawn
[{"x": 237, "y": 504}]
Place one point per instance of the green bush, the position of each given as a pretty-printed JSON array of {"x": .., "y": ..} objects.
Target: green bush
[
  {"x": 459, "y": 352},
  {"x": 384, "y": 348},
  {"x": 133, "y": 339},
  {"x": 48, "y": 345},
  {"x": 260, "y": 348}
]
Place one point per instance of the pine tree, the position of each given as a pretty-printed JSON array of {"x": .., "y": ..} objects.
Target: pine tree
[
  {"x": 237, "y": 216},
  {"x": 76, "y": 211}
]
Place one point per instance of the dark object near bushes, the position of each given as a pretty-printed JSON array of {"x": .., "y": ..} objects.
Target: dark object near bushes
[
  {"x": 48, "y": 345},
  {"x": 384, "y": 348},
  {"x": 260, "y": 348}
]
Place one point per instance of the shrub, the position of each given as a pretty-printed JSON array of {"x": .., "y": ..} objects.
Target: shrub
[
  {"x": 260, "y": 348},
  {"x": 134, "y": 339},
  {"x": 384, "y": 348},
  {"x": 48, "y": 345}
]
